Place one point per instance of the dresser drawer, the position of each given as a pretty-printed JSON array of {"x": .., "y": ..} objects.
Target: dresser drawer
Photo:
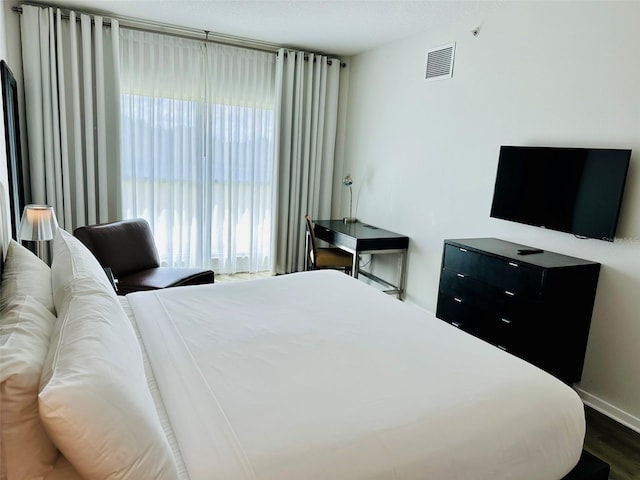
[
  {"x": 506, "y": 274},
  {"x": 462, "y": 315},
  {"x": 470, "y": 290},
  {"x": 511, "y": 335},
  {"x": 487, "y": 297},
  {"x": 524, "y": 309}
]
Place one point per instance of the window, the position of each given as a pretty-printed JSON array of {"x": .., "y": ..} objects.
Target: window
[{"x": 197, "y": 149}]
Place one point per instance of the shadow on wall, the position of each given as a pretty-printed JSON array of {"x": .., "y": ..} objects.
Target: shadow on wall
[{"x": 628, "y": 228}]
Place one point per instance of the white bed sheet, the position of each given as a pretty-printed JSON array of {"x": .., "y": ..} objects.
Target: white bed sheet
[
  {"x": 155, "y": 394},
  {"x": 318, "y": 376}
]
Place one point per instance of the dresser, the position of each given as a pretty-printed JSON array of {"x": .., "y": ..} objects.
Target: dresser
[{"x": 537, "y": 307}]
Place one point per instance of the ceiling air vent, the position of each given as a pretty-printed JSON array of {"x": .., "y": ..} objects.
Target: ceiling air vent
[{"x": 440, "y": 62}]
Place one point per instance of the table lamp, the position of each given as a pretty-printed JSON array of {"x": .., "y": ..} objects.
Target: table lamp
[
  {"x": 347, "y": 182},
  {"x": 38, "y": 224}
]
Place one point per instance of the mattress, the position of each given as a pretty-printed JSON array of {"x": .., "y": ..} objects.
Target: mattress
[{"x": 318, "y": 376}]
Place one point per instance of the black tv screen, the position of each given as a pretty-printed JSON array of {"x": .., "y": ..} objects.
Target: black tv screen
[{"x": 573, "y": 190}]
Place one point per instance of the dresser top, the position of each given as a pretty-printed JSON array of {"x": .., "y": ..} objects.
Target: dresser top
[{"x": 502, "y": 248}]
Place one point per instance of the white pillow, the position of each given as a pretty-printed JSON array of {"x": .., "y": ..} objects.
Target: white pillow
[
  {"x": 25, "y": 274},
  {"x": 94, "y": 399},
  {"x": 71, "y": 260},
  {"x": 26, "y": 328}
]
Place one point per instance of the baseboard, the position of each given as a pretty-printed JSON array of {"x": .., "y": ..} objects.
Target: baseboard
[{"x": 609, "y": 410}]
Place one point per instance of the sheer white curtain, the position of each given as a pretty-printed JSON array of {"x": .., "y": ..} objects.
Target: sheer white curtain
[
  {"x": 197, "y": 149},
  {"x": 307, "y": 117},
  {"x": 71, "y": 72}
]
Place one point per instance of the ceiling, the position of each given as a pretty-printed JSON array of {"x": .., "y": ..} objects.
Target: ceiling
[{"x": 339, "y": 27}]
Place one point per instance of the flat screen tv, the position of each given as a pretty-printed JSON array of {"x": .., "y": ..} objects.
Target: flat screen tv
[{"x": 573, "y": 190}]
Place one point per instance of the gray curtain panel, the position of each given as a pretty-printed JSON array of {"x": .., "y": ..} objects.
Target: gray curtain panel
[
  {"x": 306, "y": 119},
  {"x": 71, "y": 79}
]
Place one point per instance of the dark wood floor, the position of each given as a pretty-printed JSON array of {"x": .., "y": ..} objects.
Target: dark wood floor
[{"x": 614, "y": 443}]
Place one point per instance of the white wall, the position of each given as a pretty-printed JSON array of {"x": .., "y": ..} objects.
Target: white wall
[
  {"x": 5, "y": 224},
  {"x": 424, "y": 154}
]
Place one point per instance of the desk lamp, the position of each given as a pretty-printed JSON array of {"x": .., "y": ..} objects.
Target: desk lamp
[
  {"x": 347, "y": 182},
  {"x": 38, "y": 225}
]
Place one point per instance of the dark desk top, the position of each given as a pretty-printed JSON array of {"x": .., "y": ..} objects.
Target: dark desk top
[{"x": 359, "y": 236}]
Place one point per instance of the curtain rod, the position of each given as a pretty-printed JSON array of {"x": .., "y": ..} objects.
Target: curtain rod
[
  {"x": 176, "y": 31},
  {"x": 168, "y": 29}
]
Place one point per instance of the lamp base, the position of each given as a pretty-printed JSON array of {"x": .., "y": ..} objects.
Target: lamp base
[
  {"x": 349, "y": 219},
  {"x": 40, "y": 250}
]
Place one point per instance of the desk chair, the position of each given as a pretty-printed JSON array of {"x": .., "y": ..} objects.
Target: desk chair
[
  {"x": 330, "y": 257},
  {"x": 127, "y": 247}
]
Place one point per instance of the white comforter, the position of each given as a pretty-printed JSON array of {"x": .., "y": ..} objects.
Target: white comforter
[{"x": 319, "y": 376}]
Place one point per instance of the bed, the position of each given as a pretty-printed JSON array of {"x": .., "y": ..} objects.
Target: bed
[{"x": 305, "y": 376}]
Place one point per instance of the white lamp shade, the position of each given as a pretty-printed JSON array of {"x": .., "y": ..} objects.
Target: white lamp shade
[{"x": 38, "y": 223}]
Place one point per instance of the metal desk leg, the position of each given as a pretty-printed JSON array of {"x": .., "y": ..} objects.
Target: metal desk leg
[
  {"x": 403, "y": 275},
  {"x": 356, "y": 265}
]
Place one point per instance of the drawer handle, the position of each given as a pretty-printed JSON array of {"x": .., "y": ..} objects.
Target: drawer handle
[
  {"x": 456, "y": 324},
  {"x": 506, "y": 320},
  {"x": 503, "y": 348},
  {"x": 511, "y": 294},
  {"x": 513, "y": 264},
  {"x": 459, "y": 300},
  {"x": 459, "y": 275},
  {"x": 463, "y": 250}
]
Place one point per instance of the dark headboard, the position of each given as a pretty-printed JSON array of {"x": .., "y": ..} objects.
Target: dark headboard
[{"x": 13, "y": 149}]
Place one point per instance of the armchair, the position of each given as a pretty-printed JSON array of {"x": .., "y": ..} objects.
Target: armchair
[{"x": 127, "y": 247}]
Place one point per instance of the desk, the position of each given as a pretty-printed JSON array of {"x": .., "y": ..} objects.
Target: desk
[{"x": 359, "y": 238}]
